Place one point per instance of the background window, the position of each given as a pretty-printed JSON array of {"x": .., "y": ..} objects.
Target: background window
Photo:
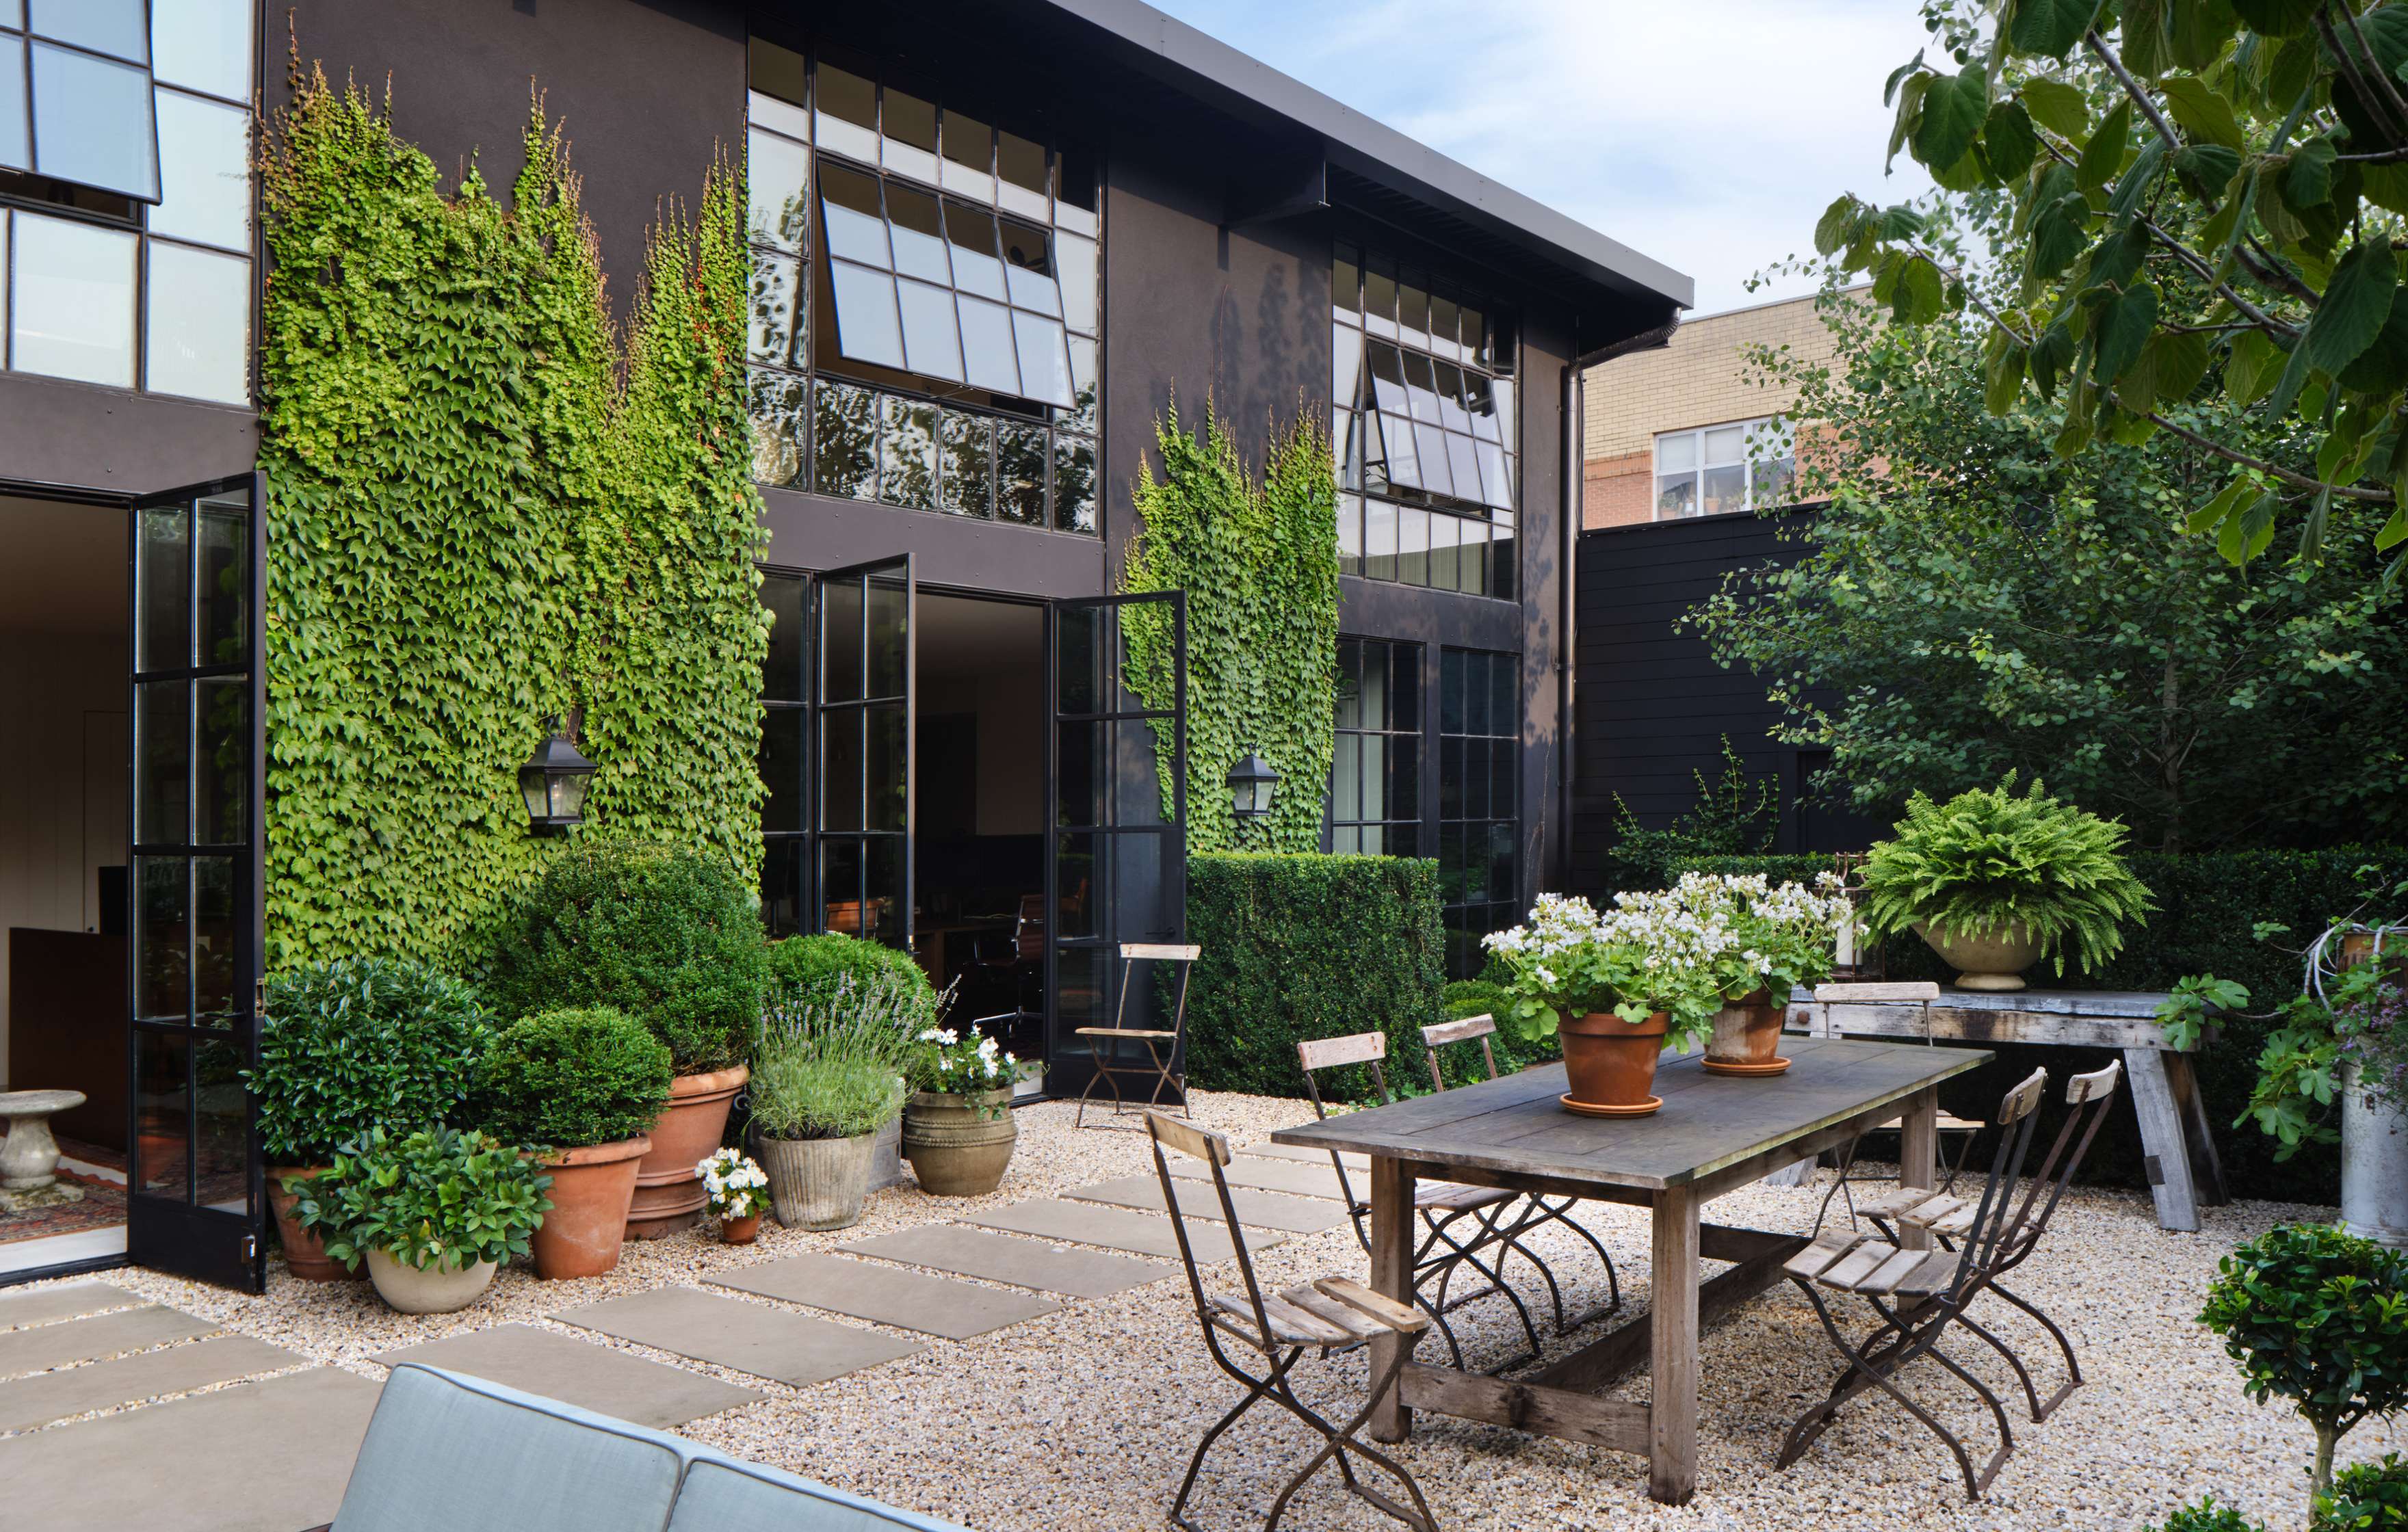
[
  {"x": 1718, "y": 470},
  {"x": 1375, "y": 794},
  {"x": 1479, "y": 810}
]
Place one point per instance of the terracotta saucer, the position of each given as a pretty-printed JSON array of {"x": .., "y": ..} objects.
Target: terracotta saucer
[
  {"x": 1771, "y": 1067},
  {"x": 1584, "y": 1108}
]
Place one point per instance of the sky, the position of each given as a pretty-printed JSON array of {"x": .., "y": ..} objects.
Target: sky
[{"x": 1707, "y": 134}]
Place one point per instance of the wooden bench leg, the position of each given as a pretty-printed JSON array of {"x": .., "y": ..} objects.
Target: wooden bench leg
[
  {"x": 2163, "y": 1144},
  {"x": 2207, "y": 1169}
]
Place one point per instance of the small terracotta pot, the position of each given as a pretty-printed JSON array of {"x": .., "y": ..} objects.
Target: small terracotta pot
[
  {"x": 1747, "y": 1034},
  {"x": 303, "y": 1252},
  {"x": 591, "y": 1189},
  {"x": 668, "y": 1194},
  {"x": 1611, "y": 1064},
  {"x": 740, "y": 1231},
  {"x": 959, "y": 1145}
]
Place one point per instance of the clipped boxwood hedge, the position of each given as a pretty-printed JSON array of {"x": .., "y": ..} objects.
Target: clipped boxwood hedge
[
  {"x": 2208, "y": 906},
  {"x": 1299, "y": 946},
  {"x": 572, "y": 1079}
]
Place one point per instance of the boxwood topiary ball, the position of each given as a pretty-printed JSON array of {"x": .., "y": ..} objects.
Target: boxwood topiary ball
[{"x": 570, "y": 1079}]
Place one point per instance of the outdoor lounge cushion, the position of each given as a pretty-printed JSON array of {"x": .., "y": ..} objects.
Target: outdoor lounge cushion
[{"x": 724, "y": 1496}]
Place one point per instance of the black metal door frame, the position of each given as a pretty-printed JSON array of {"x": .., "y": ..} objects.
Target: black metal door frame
[{"x": 858, "y": 709}]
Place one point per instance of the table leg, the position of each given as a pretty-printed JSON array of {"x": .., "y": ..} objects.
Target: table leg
[
  {"x": 1672, "y": 1351},
  {"x": 2166, "y": 1155},
  {"x": 1392, "y": 1276},
  {"x": 1919, "y": 1155}
]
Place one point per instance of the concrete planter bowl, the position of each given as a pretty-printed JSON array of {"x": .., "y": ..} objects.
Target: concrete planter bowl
[
  {"x": 959, "y": 1145},
  {"x": 441, "y": 1288},
  {"x": 817, "y": 1183},
  {"x": 1994, "y": 960}
]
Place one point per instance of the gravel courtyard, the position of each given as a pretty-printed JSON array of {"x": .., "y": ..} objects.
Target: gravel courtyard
[{"x": 1083, "y": 1418}]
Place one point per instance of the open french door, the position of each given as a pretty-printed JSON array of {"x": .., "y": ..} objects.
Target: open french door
[
  {"x": 195, "y": 1203},
  {"x": 1117, "y": 868},
  {"x": 863, "y": 637}
]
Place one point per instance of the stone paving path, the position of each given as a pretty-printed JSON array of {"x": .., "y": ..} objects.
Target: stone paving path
[
  {"x": 578, "y": 1372},
  {"x": 1022, "y": 1263},
  {"x": 750, "y": 1337},
  {"x": 1197, "y": 1199},
  {"x": 56, "y": 1396},
  {"x": 886, "y": 1295}
]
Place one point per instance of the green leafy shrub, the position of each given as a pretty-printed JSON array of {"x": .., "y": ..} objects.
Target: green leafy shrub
[
  {"x": 436, "y": 1198},
  {"x": 357, "y": 1043},
  {"x": 2320, "y": 1318},
  {"x": 1296, "y": 948},
  {"x": 670, "y": 937},
  {"x": 571, "y": 1079},
  {"x": 808, "y": 971},
  {"x": 2365, "y": 1497},
  {"x": 1462, "y": 1065},
  {"x": 1985, "y": 861},
  {"x": 2206, "y": 1516},
  {"x": 834, "y": 1069}
]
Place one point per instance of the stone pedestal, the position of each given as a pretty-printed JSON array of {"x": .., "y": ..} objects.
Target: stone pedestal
[{"x": 29, "y": 1156}]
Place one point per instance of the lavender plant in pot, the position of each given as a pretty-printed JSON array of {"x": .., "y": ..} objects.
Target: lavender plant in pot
[{"x": 826, "y": 1080}]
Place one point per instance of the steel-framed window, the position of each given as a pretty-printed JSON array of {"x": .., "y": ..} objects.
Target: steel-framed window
[
  {"x": 927, "y": 302},
  {"x": 1723, "y": 471},
  {"x": 1375, "y": 775},
  {"x": 1479, "y": 797}
]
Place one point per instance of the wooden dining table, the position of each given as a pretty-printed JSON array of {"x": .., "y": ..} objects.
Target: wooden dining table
[{"x": 1713, "y": 1135}]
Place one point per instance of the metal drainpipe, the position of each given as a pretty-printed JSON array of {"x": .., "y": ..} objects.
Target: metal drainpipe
[{"x": 1574, "y": 434}]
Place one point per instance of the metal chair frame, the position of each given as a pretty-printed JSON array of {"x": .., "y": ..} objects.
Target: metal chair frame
[
  {"x": 1329, "y": 1317},
  {"x": 1441, "y": 1250},
  {"x": 1161, "y": 1047},
  {"x": 1536, "y": 1211}
]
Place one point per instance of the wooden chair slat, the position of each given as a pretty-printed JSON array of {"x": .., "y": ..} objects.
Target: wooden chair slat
[
  {"x": 1817, "y": 1257},
  {"x": 1939, "y": 1268},
  {"x": 1379, "y": 1306},
  {"x": 1922, "y": 989},
  {"x": 1292, "y": 1326},
  {"x": 1958, "y": 1222},
  {"x": 1462, "y": 1029},
  {"x": 1448, "y": 1198},
  {"x": 1892, "y": 1204},
  {"x": 2096, "y": 1083},
  {"x": 2022, "y": 1098},
  {"x": 1329, "y": 1052},
  {"x": 1857, "y": 1264},
  {"x": 1188, "y": 1138},
  {"x": 1321, "y": 1306},
  {"x": 1893, "y": 1271},
  {"x": 1161, "y": 952},
  {"x": 1931, "y": 1209}
]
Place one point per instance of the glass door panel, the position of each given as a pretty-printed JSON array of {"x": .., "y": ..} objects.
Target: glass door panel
[
  {"x": 195, "y": 1201},
  {"x": 865, "y": 636}
]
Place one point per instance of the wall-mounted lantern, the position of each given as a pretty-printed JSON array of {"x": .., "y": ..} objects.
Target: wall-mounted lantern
[
  {"x": 554, "y": 784},
  {"x": 1251, "y": 782}
]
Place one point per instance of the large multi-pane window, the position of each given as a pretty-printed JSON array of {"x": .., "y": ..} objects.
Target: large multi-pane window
[
  {"x": 1479, "y": 774},
  {"x": 1375, "y": 775},
  {"x": 926, "y": 314},
  {"x": 1423, "y": 423},
  {"x": 785, "y": 762},
  {"x": 1721, "y": 469},
  {"x": 125, "y": 193}
]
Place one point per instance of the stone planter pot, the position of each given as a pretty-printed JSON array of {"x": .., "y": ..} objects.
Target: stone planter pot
[
  {"x": 439, "y": 1289},
  {"x": 959, "y": 1145},
  {"x": 1994, "y": 960},
  {"x": 817, "y": 1183},
  {"x": 1611, "y": 1064},
  {"x": 740, "y": 1231},
  {"x": 886, "y": 1158},
  {"x": 305, "y": 1254},
  {"x": 668, "y": 1194},
  {"x": 2374, "y": 1165},
  {"x": 1747, "y": 1037},
  {"x": 590, "y": 1190}
]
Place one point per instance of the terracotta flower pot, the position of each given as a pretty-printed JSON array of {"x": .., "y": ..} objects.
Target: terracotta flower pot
[
  {"x": 1994, "y": 960},
  {"x": 959, "y": 1145},
  {"x": 303, "y": 1252},
  {"x": 437, "y": 1289},
  {"x": 1747, "y": 1037},
  {"x": 668, "y": 1195},
  {"x": 1611, "y": 1064},
  {"x": 591, "y": 1189},
  {"x": 740, "y": 1231}
]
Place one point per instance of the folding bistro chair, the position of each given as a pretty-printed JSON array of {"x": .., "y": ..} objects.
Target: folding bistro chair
[
  {"x": 1326, "y": 1316},
  {"x": 1538, "y": 1212},
  {"x": 1916, "y": 1295},
  {"x": 1105, "y": 1043},
  {"x": 1951, "y": 1126},
  {"x": 1444, "y": 1208}
]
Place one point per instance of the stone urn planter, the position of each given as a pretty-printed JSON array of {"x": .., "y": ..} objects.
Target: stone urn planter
[
  {"x": 2374, "y": 1165},
  {"x": 817, "y": 1183},
  {"x": 1994, "y": 960},
  {"x": 668, "y": 1195},
  {"x": 438, "y": 1289},
  {"x": 1747, "y": 1037},
  {"x": 959, "y": 1145},
  {"x": 590, "y": 1191},
  {"x": 1611, "y": 1064},
  {"x": 305, "y": 1252}
]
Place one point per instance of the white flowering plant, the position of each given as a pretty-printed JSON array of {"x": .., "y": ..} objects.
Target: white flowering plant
[
  {"x": 738, "y": 1187},
  {"x": 1779, "y": 934},
  {"x": 1649, "y": 954},
  {"x": 947, "y": 1064}
]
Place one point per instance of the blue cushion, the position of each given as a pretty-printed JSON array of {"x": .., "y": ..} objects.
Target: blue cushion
[
  {"x": 448, "y": 1450},
  {"x": 721, "y": 1494}
]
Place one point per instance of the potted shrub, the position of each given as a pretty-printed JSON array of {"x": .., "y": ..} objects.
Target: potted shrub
[
  {"x": 1994, "y": 882},
  {"x": 2320, "y": 1318},
  {"x": 959, "y": 1130},
  {"x": 432, "y": 1215},
  {"x": 806, "y": 971},
  {"x": 673, "y": 940},
  {"x": 1617, "y": 989},
  {"x": 826, "y": 1083},
  {"x": 581, "y": 1086},
  {"x": 2365, "y": 1495},
  {"x": 349, "y": 1045},
  {"x": 1779, "y": 936},
  {"x": 737, "y": 1190}
]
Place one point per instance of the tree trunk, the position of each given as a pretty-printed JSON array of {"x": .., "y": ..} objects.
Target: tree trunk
[
  {"x": 2169, "y": 755},
  {"x": 2320, "y": 1479}
]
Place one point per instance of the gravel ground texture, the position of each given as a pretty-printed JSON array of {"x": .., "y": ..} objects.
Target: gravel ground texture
[{"x": 1084, "y": 1418}]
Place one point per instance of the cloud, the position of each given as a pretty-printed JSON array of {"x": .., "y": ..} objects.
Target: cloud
[{"x": 1709, "y": 134}]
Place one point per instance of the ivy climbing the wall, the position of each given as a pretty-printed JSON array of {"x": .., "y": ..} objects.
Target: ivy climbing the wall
[
  {"x": 1258, "y": 562},
  {"x": 479, "y": 516}
]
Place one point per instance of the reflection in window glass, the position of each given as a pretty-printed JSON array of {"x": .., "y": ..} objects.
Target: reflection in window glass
[
  {"x": 1083, "y": 412},
  {"x": 1346, "y": 285},
  {"x": 204, "y": 172},
  {"x": 977, "y": 267},
  {"x": 1044, "y": 360},
  {"x": 772, "y": 309},
  {"x": 866, "y": 329},
  {"x": 1421, "y": 387},
  {"x": 968, "y": 488},
  {"x": 1345, "y": 367},
  {"x": 104, "y": 26},
  {"x": 1022, "y": 166},
  {"x": 197, "y": 331},
  {"x": 91, "y": 122},
  {"x": 71, "y": 308},
  {"x": 16, "y": 142},
  {"x": 1350, "y": 534},
  {"x": 932, "y": 347},
  {"x": 775, "y": 169},
  {"x": 779, "y": 82},
  {"x": 849, "y": 212},
  {"x": 203, "y": 45},
  {"x": 1076, "y": 191},
  {"x": 844, "y": 440},
  {"x": 1379, "y": 297},
  {"x": 844, "y": 113},
  {"x": 1019, "y": 473},
  {"x": 1029, "y": 266},
  {"x": 1412, "y": 545},
  {"x": 969, "y": 157},
  {"x": 1077, "y": 259},
  {"x": 907, "y": 453},
  {"x": 780, "y": 418},
  {"x": 988, "y": 354},
  {"x": 1380, "y": 539},
  {"x": 1412, "y": 312},
  {"x": 1444, "y": 542},
  {"x": 919, "y": 237},
  {"x": 1074, "y": 484},
  {"x": 909, "y": 128}
]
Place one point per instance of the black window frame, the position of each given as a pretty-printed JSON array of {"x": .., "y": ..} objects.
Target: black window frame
[
  {"x": 1478, "y": 896},
  {"x": 1403, "y": 660}
]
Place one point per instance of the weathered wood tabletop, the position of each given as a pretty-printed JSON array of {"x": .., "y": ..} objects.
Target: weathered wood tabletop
[{"x": 1715, "y": 1134}]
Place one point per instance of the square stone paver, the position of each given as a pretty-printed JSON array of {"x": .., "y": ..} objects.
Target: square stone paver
[
  {"x": 47, "y": 1396},
  {"x": 1291, "y": 1175},
  {"x": 1022, "y": 1263},
  {"x": 884, "y": 1296},
  {"x": 749, "y": 1337},
  {"x": 73, "y": 1301},
  {"x": 270, "y": 1456},
  {"x": 42, "y": 1347},
  {"x": 1197, "y": 1199},
  {"x": 578, "y": 1372},
  {"x": 1115, "y": 1228}
]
